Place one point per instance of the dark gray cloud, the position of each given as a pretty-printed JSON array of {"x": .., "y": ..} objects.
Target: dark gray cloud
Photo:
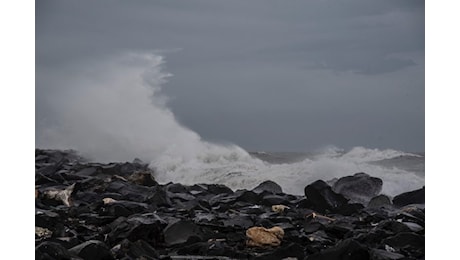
[{"x": 263, "y": 74}]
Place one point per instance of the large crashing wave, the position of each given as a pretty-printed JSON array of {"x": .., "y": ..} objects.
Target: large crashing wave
[{"x": 115, "y": 112}]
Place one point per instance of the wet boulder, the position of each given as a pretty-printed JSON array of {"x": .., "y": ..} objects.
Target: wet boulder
[
  {"x": 247, "y": 196},
  {"x": 379, "y": 201},
  {"x": 411, "y": 197},
  {"x": 322, "y": 198},
  {"x": 358, "y": 188},
  {"x": 268, "y": 186}
]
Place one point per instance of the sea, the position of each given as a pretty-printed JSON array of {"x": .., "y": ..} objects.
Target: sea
[
  {"x": 399, "y": 171},
  {"x": 117, "y": 112}
]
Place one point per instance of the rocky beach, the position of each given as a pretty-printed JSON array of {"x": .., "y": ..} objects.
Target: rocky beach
[{"x": 89, "y": 210}]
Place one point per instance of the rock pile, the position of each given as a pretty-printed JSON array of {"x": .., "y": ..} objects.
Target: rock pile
[{"x": 118, "y": 211}]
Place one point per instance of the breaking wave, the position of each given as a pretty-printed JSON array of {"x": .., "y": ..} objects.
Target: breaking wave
[{"x": 116, "y": 112}]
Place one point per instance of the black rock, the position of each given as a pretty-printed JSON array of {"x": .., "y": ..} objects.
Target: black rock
[
  {"x": 242, "y": 221},
  {"x": 159, "y": 198},
  {"x": 406, "y": 239},
  {"x": 46, "y": 218},
  {"x": 322, "y": 197},
  {"x": 92, "y": 249},
  {"x": 175, "y": 188},
  {"x": 272, "y": 199},
  {"x": 89, "y": 171},
  {"x": 349, "y": 209},
  {"x": 142, "y": 250},
  {"x": 219, "y": 189},
  {"x": 379, "y": 201},
  {"x": 218, "y": 248},
  {"x": 148, "y": 227},
  {"x": 131, "y": 191},
  {"x": 124, "y": 208},
  {"x": 320, "y": 237},
  {"x": 52, "y": 250},
  {"x": 347, "y": 249},
  {"x": 358, "y": 188},
  {"x": 393, "y": 226},
  {"x": 312, "y": 226},
  {"x": 268, "y": 186},
  {"x": 247, "y": 196},
  {"x": 411, "y": 197},
  {"x": 222, "y": 199},
  {"x": 181, "y": 232}
]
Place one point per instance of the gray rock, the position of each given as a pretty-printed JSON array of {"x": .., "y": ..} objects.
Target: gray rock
[
  {"x": 268, "y": 186},
  {"x": 379, "y": 201},
  {"x": 358, "y": 188}
]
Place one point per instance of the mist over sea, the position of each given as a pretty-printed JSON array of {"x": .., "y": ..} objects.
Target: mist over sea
[{"x": 116, "y": 112}]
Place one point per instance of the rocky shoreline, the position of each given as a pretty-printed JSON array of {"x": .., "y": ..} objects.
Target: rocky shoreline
[{"x": 89, "y": 210}]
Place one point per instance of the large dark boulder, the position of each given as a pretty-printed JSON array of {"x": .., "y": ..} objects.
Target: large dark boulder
[
  {"x": 411, "y": 197},
  {"x": 268, "y": 186},
  {"x": 247, "y": 196},
  {"x": 379, "y": 201},
  {"x": 323, "y": 198},
  {"x": 358, "y": 188}
]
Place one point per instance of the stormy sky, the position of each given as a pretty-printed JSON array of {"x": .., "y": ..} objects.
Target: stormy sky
[{"x": 265, "y": 75}]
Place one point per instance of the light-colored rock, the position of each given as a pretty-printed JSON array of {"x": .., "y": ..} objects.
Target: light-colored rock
[
  {"x": 108, "y": 200},
  {"x": 43, "y": 232},
  {"x": 279, "y": 208},
  {"x": 62, "y": 195},
  {"x": 262, "y": 237}
]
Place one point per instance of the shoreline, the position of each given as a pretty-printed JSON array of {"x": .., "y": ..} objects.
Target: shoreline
[{"x": 118, "y": 211}]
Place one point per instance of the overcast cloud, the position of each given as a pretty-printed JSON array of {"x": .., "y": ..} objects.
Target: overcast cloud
[{"x": 265, "y": 75}]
